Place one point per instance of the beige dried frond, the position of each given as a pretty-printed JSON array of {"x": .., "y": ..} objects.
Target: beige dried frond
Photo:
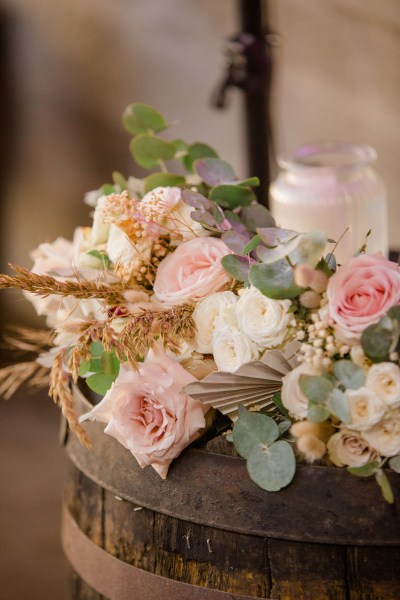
[
  {"x": 45, "y": 285},
  {"x": 61, "y": 392},
  {"x": 14, "y": 376}
]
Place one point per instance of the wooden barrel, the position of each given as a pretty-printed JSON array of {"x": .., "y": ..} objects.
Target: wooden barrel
[{"x": 209, "y": 533}]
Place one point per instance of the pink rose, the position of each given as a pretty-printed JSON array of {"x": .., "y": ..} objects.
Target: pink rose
[
  {"x": 149, "y": 414},
  {"x": 193, "y": 271},
  {"x": 361, "y": 292}
]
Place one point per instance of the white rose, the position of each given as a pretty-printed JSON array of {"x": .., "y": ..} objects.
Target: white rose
[
  {"x": 205, "y": 314},
  {"x": 384, "y": 380},
  {"x": 366, "y": 408},
  {"x": 100, "y": 229},
  {"x": 384, "y": 437},
  {"x": 122, "y": 251},
  {"x": 232, "y": 348},
  {"x": 263, "y": 319},
  {"x": 293, "y": 398},
  {"x": 346, "y": 448}
]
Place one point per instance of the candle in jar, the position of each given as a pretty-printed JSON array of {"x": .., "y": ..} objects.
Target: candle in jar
[{"x": 332, "y": 187}]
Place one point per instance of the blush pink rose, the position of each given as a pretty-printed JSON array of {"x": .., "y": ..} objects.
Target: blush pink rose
[
  {"x": 149, "y": 414},
  {"x": 193, "y": 271},
  {"x": 361, "y": 292}
]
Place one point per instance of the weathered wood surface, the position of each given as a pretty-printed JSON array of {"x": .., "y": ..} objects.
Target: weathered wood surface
[
  {"x": 227, "y": 561},
  {"x": 328, "y": 536}
]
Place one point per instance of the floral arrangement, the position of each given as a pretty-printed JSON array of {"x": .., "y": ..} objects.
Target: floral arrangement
[{"x": 191, "y": 314}]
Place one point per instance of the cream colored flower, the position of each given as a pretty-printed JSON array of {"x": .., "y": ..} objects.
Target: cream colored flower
[
  {"x": 358, "y": 357},
  {"x": 100, "y": 229},
  {"x": 384, "y": 437},
  {"x": 232, "y": 348},
  {"x": 292, "y": 396},
  {"x": 366, "y": 408},
  {"x": 263, "y": 319},
  {"x": 384, "y": 380},
  {"x": 205, "y": 314},
  {"x": 122, "y": 251},
  {"x": 346, "y": 448}
]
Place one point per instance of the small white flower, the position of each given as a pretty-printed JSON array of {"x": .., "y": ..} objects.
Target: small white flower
[
  {"x": 384, "y": 380},
  {"x": 232, "y": 348},
  {"x": 205, "y": 314},
  {"x": 100, "y": 229},
  {"x": 366, "y": 408},
  {"x": 263, "y": 319}
]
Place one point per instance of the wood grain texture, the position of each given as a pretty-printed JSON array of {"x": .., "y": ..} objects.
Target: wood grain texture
[{"x": 238, "y": 563}]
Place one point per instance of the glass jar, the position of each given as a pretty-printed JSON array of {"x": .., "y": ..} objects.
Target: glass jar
[{"x": 331, "y": 186}]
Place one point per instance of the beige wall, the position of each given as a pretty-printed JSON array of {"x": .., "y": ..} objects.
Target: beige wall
[{"x": 80, "y": 62}]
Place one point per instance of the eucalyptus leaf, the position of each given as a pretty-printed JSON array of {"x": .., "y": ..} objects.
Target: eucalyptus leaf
[
  {"x": 141, "y": 118},
  {"x": 284, "y": 426},
  {"x": 162, "y": 179},
  {"x": 317, "y": 413},
  {"x": 119, "y": 180},
  {"x": 376, "y": 340},
  {"x": 195, "y": 199},
  {"x": 251, "y": 245},
  {"x": 110, "y": 364},
  {"x": 179, "y": 145},
  {"x": 205, "y": 218},
  {"x": 83, "y": 368},
  {"x": 394, "y": 312},
  {"x": 385, "y": 486},
  {"x": 256, "y": 215},
  {"x": 232, "y": 196},
  {"x": 316, "y": 388},
  {"x": 196, "y": 151},
  {"x": 394, "y": 463},
  {"x": 276, "y": 236},
  {"x": 252, "y": 429},
  {"x": 330, "y": 260},
  {"x": 100, "y": 383},
  {"x": 102, "y": 256},
  {"x": 277, "y": 399},
  {"x": 309, "y": 249},
  {"x": 235, "y": 241},
  {"x": 349, "y": 374},
  {"x": 214, "y": 171},
  {"x": 339, "y": 406},
  {"x": 149, "y": 150},
  {"x": 272, "y": 468},
  {"x": 237, "y": 266},
  {"x": 366, "y": 470},
  {"x": 275, "y": 280},
  {"x": 249, "y": 182}
]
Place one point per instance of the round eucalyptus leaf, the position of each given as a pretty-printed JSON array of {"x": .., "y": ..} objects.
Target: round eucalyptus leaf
[
  {"x": 275, "y": 280},
  {"x": 100, "y": 383},
  {"x": 214, "y": 171},
  {"x": 256, "y": 215},
  {"x": 232, "y": 196},
  {"x": 141, "y": 118},
  {"x": 376, "y": 341},
  {"x": 272, "y": 468},
  {"x": 237, "y": 266},
  {"x": 162, "y": 179},
  {"x": 349, "y": 374},
  {"x": 253, "y": 429},
  {"x": 149, "y": 150},
  {"x": 196, "y": 151}
]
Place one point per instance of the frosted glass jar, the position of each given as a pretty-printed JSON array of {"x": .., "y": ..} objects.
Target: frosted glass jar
[{"x": 331, "y": 186}]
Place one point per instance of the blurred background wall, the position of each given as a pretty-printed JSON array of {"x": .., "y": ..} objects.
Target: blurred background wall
[
  {"x": 69, "y": 69},
  {"x": 75, "y": 65}
]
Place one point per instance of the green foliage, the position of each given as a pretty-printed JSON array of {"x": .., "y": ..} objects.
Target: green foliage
[
  {"x": 339, "y": 406},
  {"x": 255, "y": 216},
  {"x": 394, "y": 463},
  {"x": 149, "y": 150},
  {"x": 366, "y": 470},
  {"x": 101, "y": 370},
  {"x": 379, "y": 339},
  {"x": 349, "y": 375},
  {"x": 141, "y": 118},
  {"x": 275, "y": 280},
  {"x": 232, "y": 196},
  {"x": 385, "y": 486},
  {"x": 119, "y": 180},
  {"x": 270, "y": 462},
  {"x": 214, "y": 171},
  {"x": 196, "y": 151},
  {"x": 102, "y": 256},
  {"x": 252, "y": 245},
  {"x": 237, "y": 266},
  {"x": 162, "y": 179},
  {"x": 316, "y": 388}
]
